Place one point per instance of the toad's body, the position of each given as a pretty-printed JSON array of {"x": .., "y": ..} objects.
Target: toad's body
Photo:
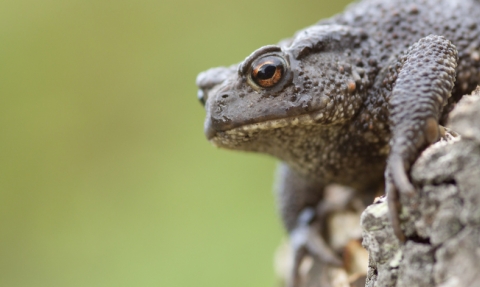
[{"x": 348, "y": 97}]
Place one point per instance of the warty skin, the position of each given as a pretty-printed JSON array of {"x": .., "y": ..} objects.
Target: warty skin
[{"x": 351, "y": 100}]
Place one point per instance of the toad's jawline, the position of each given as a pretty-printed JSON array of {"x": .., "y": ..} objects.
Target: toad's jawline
[{"x": 312, "y": 118}]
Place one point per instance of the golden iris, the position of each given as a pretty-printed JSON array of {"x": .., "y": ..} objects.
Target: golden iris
[{"x": 267, "y": 71}]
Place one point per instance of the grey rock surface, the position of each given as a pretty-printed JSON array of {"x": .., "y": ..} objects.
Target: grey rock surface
[{"x": 441, "y": 220}]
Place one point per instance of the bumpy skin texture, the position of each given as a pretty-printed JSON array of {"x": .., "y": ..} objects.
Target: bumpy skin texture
[{"x": 361, "y": 93}]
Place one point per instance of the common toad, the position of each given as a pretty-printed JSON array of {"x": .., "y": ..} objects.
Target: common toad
[{"x": 351, "y": 100}]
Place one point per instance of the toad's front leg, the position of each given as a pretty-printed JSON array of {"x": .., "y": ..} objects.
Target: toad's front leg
[
  {"x": 304, "y": 218},
  {"x": 425, "y": 77}
]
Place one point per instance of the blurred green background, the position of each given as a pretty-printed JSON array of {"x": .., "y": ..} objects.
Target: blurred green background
[{"x": 106, "y": 178}]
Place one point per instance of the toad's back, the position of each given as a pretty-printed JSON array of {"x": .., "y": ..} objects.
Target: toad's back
[{"x": 396, "y": 24}]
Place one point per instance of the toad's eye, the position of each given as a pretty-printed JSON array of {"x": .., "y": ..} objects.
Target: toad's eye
[{"x": 267, "y": 71}]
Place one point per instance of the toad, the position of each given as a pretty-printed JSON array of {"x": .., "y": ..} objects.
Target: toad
[{"x": 351, "y": 100}]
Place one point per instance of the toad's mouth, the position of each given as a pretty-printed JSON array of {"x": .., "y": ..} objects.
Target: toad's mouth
[{"x": 245, "y": 132}]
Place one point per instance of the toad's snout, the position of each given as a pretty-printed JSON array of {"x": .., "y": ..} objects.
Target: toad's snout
[{"x": 211, "y": 78}]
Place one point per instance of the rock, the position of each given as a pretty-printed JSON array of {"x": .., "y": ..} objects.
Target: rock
[{"x": 441, "y": 220}]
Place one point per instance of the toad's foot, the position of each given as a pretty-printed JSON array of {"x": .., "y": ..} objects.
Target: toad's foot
[
  {"x": 306, "y": 240},
  {"x": 313, "y": 235}
]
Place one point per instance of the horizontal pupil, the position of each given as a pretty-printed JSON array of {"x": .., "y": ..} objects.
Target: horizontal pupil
[{"x": 266, "y": 72}]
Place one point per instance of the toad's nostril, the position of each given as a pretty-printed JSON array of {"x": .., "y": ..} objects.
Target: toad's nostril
[{"x": 225, "y": 96}]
